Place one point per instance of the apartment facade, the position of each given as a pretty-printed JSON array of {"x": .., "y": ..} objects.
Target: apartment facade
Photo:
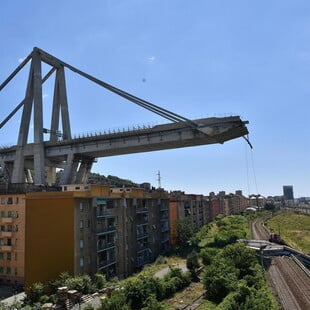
[
  {"x": 94, "y": 229},
  {"x": 12, "y": 238},
  {"x": 181, "y": 205},
  {"x": 202, "y": 209}
]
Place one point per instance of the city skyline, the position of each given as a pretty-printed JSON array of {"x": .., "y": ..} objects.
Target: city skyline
[{"x": 203, "y": 60}]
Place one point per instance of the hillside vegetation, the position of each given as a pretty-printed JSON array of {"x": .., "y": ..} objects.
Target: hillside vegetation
[{"x": 294, "y": 229}]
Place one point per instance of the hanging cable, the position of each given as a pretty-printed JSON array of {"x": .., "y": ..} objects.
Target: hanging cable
[
  {"x": 253, "y": 169},
  {"x": 247, "y": 167}
]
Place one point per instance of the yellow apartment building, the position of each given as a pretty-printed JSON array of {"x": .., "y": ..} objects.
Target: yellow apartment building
[{"x": 88, "y": 229}]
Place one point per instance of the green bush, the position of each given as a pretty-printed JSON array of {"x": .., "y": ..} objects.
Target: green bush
[
  {"x": 34, "y": 293},
  {"x": 152, "y": 303},
  {"x": 207, "y": 255},
  {"x": 219, "y": 280},
  {"x": 117, "y": 301},
  {"x": 100, "y": 281}
]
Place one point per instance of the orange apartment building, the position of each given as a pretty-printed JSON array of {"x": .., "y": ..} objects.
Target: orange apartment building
[
  {"x": 83, "y": 229},
  {"x": 12, "y": 238}
]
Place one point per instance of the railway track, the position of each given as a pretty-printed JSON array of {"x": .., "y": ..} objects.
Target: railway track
[{"x": 290, "y": 283}]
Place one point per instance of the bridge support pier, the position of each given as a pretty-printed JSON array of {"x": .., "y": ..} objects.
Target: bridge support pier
[{"x": 84, "y": 170}]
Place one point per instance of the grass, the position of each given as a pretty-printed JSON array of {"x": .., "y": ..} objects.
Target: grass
[
  {"x": 294, "y": 229},
  {"x": 161, "y": 263}
]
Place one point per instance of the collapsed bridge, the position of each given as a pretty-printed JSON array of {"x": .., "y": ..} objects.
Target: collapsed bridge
[{"x": 37, "y": 162}]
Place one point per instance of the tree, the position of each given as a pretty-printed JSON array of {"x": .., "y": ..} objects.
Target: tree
[
  {"x": 59, "y": 282},
  {"x": 80, "y": 283},
  {"x": 137, "y": 290},
  {"x": 219, "y": 280},
  {"x": 34, "y": 292},
  {"x": 99, "y": 281},
  {"x": 241, "y": 257},
  {"x": 192, "y": 264},
  {"x": 185, "y": 230},
  {"x": 207, "y": 255}
]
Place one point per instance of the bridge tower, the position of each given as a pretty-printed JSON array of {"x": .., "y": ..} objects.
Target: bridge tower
[{"x": 40, "y": 170}]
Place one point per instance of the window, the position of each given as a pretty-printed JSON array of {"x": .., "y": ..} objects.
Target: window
[
  {"x": 1, "y": 270},
  {"x": 82, "y": 261},
  {"x": 8, "y": 256},
  {"x": 8, "y": 270},
  {"x": 81, "y": 207},
  {"x": 3, "y": 201},
  {"x": 16, "y": 214},
  {"x": 81, "y": 244},
  {"x": 10, "y": 200},
  {"x": 81, "y": 224},
  {"x": 2, "y": 213},
  {"x": 10, "y": 214},
  {"x": 15, "y": 271},
  {"x": 1, "y": 255},
  {"x": 16, "y": 256}
]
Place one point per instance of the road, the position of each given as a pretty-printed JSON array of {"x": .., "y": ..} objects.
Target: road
[{"x": 289, "y": 282}]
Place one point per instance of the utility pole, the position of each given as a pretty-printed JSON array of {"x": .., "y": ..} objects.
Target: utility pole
[{"x": 159, "y": 179}]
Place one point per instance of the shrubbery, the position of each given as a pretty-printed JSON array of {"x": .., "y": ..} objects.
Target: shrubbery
[
  {"x": 233, "y": 277},
  {"x": 139, "y": 289}
]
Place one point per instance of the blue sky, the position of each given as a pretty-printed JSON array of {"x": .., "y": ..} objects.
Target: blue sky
[{"x": 197, "y": 58}]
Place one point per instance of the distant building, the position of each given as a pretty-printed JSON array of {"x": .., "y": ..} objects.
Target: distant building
[
  {"x": 181, "y": 205},
  {"x": 257, "y": 201},
  {"x": 288, "y": 193}
]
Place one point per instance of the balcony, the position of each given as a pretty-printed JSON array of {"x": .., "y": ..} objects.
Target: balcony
[
  {"x": 142, "y": 247},
  {"x": 164, "y": 208},
  {"x": 142, "y": 234},
  {"x": 106, "y": 262},
  {"x": 7, "y": 220},
  {"x": 6, "y": 234},
  {"x": 104, "y": 229},
  {"x": 164, "y": 238},
  {"x": 141, "y": 210},
  {"x": 142, "y": 222},
  {"x": 164, "y": 228},
  {"x": 6, "y": 248},
  {"x": 141, "y": 261},
  {"x": 105, "y": 212},
  {"x": 105, "y": 246}
]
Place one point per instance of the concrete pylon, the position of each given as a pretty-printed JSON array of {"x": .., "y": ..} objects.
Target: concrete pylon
[{"x": 34, "y": 102}]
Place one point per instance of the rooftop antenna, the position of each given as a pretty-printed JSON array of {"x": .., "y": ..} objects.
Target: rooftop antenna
[{"x": 159, "y": 179}]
